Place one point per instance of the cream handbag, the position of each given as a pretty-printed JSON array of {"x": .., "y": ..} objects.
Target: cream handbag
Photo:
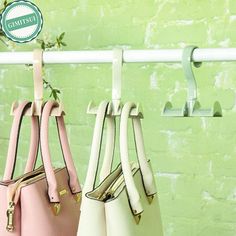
[{"x": 125, "y": 202}]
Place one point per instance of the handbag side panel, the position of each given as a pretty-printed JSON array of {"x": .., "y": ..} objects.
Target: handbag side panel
[
  {"x": 120, "y": 219},
  {"x": 92, "y": 220},
  {"x": 37, "y": 217}
]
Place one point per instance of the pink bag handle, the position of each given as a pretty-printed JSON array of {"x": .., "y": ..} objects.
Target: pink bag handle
[
  {"x": 14, "y": 139},
  {"x": 46, "y": 156}
]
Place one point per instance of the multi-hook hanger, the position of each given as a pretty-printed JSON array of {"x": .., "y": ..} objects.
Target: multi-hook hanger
[
  {"x": 36, "y": 107},
  {"x": 116, "y": 104},
  {"x": 192, "y": 106}
]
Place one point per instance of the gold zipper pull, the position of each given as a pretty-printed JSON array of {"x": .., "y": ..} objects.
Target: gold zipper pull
[{"x": 10, "y": 217}]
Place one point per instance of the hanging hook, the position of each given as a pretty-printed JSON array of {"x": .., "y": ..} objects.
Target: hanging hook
[
  {"x": 117, "y": 63},
  {"x": 38, "y": 80},
  {"x": 192, "y": 106},
  {"x": 188, "y": 71},
  {"x": 115, "y": 106},
  {"x": 35, "y": 109}
]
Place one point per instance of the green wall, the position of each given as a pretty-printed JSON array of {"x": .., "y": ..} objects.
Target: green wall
[{"x": 193, "y": 158}]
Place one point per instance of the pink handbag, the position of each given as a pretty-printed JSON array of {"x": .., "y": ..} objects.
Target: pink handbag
[{"x": 46, "y": 201}]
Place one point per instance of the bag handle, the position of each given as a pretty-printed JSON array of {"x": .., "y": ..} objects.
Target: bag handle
[
  {"x": 46, "y": 156},
  {"x": 109, "y": 148},
  {"x": 147, "y": 174},
  {"x": 14, "y": 139},
  {"x": 34, "y": 146},
  {"x": 148, "y": 179},
  {"x": 96, "y": 149}
]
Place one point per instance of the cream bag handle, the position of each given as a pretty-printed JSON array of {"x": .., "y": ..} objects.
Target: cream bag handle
[
  {"x": 148, "y": 179},
  {"x": 96, "y": 147},
  {"x": 109, "y": 148}
]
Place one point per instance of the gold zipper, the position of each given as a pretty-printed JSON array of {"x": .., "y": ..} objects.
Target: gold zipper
[
  {"x": 38, "y": 174},
  {"x": 10, "y": 217},
  {"x": 109, "y": 193},
  {"x": 8, "y": 182},
  {"x": 37, "y": 177}
]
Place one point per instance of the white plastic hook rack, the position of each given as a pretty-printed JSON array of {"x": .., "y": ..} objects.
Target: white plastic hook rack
[
  {"x": 129, "y": 56},
  {"x": 115, "y": 106},
  {"x": 36, "y": 106},
  {"x": 117, "y": 58},
  {"x": 116, "y": 80}
]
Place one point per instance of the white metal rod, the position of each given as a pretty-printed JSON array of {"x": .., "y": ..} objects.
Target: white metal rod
[{"x": 129, "y": 56}]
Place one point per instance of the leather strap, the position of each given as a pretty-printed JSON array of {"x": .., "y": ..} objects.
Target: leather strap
[
  {"x": 146, "y": 172},
  {"x": 34, "y": 145},
  {"x": 109, "y": 148},
  {"x": 14, "y": 139},
  {"x": 46, "y": 156},
  {"x": 90, "y": 180}
]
